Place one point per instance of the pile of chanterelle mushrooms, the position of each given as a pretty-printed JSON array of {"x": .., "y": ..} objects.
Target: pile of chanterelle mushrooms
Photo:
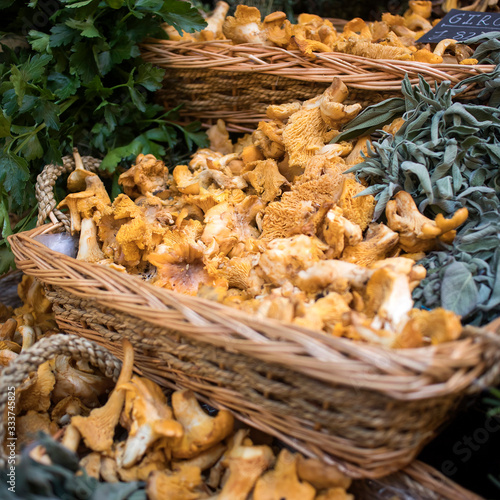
[
  {"x": 182, "y": 452},
  {"x": 394, "y": 37},
  {"x": 273, "y": 226}
]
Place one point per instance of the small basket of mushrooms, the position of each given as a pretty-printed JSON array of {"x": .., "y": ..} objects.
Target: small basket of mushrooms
[
  {"x": 240, "y": 64},
  {"x": 254, "y": 277}
]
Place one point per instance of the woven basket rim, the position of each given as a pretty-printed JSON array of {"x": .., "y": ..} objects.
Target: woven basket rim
[
  {"x": 404, "y": 374},
  {"x": 356, "y": 71}
]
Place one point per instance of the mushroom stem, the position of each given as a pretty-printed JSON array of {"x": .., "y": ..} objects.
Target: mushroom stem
[
  {"x": 71, "y": 438},
  {"x": 78, "y": 159},
  {"x": 29, "y": 336}
]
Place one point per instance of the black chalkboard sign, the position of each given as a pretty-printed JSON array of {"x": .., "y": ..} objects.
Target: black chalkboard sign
[{"x": 461, "y": 25}]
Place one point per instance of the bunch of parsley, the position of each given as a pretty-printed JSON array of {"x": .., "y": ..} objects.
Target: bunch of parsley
[{"x": 71, "y": 75}]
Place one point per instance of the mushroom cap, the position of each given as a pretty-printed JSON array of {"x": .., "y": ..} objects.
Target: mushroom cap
[
  {"x": 67, "y": 408},
  {"x": 147, "y": 417},
  {"x": 282, "y": 482},
  {"x": 266, "y": 180},
  {"x": 435, "y": 326},
  {"x": 219, "y": 138},
  {"x": 274, "y": 19},
  {"x": 76, "y": 180},
  {"x": 284, "y": 258},
  {"x": 245, "y": 26},
  {"x": 182, "y": 484},
  {"x": 29, "y": 425},
  {"x": 424, "y": 55},
  {"x": 70, "y": 381},
  {"x": 93, "y": 202},
  {"x": 36, "y": 396},
  {"x": 378, "y": 243},
  {"x": 357, "y": 208},
  {"x": 148, "y": 175},
  {"x": 321, "y": 475},
  {"x": 200, "y": 430},
  {"x": 246, "y": 464}
]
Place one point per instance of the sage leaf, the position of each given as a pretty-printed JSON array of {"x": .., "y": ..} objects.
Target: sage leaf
[{"x": 458, "y": 290}]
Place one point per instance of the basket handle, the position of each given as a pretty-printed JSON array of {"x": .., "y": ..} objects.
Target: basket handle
[
  {"x": 45, "y": 349},
  {"x": 46, "y": 181}
]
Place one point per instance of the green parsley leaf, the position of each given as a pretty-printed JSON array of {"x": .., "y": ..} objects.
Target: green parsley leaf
[
  {"x": 19, "y": 84},
  {"x": 86, "y": 28},
  {"x": 149, "y": 77},
  {"x": 82, "y": 62},
  {"x": 113, "y": 158},
  {"x": 32, "y": 148},
  {"x": 14, "y": 173},
  {"x": 63, "y": 86},
  {"x": 39, "y": 41},
  {"x": 5, "y": 122},
  {"x": 47, "y": 112},
  {"x": 115, "y": 4},
  {"x": 182, "y": 16},
  {"x": 77, "y": 5},
  {"x": 62, "y": 35}
]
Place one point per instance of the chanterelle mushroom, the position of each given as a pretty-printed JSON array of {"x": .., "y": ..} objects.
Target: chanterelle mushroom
[
  {"x": 378, "y": 243},
  {"x": 94, "y": 201},
  {"x": 246, "y": 464},
  {"x": 285, "y": 257},
  {"x": 76, "y": 180},
  {"x": 219, "y": 136},
  {"x": 245, "y": 26},
  {"x": 389, "y": 298},
  {"x": 37, "y": 396},
  {"x": 417, "y": 233},
  {"x": 324, "y": 273},
  {"x": 215, "y": 21},
  {"x": 98, "y": 428},
  {"x": 321, "y": 475},
  {"x": 70, "y": 381},
  {"x": 231, "y": 225},
  {"x": 183, "y": 484},
  {"x": 339, "y": 232},
  {"x": 201, "y": 431},
  {"x": 148, "y": 175},
  {"x": 282, "y": 482},
  {"x": 147, "y": 417},
  {"x": 266, "y": 180}
]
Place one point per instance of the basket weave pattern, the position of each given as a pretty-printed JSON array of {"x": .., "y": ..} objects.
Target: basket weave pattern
[{"x": 237, "y": 82}]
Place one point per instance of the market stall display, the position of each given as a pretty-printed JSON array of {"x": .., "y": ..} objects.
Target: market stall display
[
  {"x": 305, "y": 307},
  {"x": 265, "y": 364}
]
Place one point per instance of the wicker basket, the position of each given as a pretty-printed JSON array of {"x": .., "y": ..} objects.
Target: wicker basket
[
  {"x": 367, "y": 409},
  {"x": 417, "y": 482},
  {"x": 237, "y": 82}
]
